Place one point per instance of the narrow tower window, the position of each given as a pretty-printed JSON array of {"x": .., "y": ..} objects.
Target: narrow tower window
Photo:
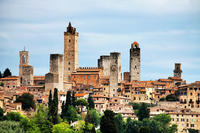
[
  {"x": 69, "y": 40},
  {"x": 23, "y": 59}
]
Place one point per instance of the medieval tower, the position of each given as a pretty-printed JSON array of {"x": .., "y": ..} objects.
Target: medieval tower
[
  {"x": 115, "y": 73},
  {"x": 25, "y": 70},
  {"x": 54, "y": 79},
  {"x": 135, "y": 61},
  {"x": 23, "y": 60},
  {"x": 70, "y": 54},
  {"x": 177, "y": 70}
]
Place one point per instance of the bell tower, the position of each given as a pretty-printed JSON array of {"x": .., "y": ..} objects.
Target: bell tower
[
  {"x": 23, "y": 60},
  {"x": 70, "y": 53},
  {"x": 177, "y": 70}
]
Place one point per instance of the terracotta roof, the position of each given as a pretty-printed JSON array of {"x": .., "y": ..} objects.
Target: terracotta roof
[{"x": 80, "y": 94}]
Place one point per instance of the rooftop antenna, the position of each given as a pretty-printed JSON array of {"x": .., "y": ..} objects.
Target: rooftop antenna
[{"x": 24, "y": 48}]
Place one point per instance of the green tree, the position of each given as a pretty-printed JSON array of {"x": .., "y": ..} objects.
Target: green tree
[
  {"x": 55, "y": 107},
  {"x": 7, "y": 73},
  {"x": 164, "y": 123},
  {"x": 143, "y": 112},
  {"x": 71, "y": 114},
  {"x": 65, "y": 107},
  {"x": 83, "y": 127},
  {"x": 1, "y": 114},
  {"x": 27, "y": 101},
  {"x": 132, "y": 126},
  {"x": 62, "y": 128},
  {"x": 93, "y": 117},
  {"x": 81, "y": 102},
  {"x": 10, "y": 127},
  {"x": 40, "y": 122},
  {"x": 90, "y": 102},
  {"x": 193, "y": 131},
  {"x": 107, "y": 124},
  {"x": 120, "y": 123},
  {"x": 1, "y": 84},
  {"x": 135, "y": 105},
  {"x": 144, "y": 130},
  {"x": 73, "y": 99},
  {"x": 50, "y": 104},
  {"x": 1, "y": 75},
  {"x": 172, "y": 98},
  {"x": 13, "y": 116}
]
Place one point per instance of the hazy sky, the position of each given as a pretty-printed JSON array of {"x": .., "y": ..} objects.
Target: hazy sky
[{"x": 168, "y": 31}]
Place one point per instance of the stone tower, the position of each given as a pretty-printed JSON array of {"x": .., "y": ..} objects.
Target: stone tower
[
  {"x": 135, "y": 61},
  {"x": 104, "y": 63},
  {"x": 23, "y": 60},
  {"x": 70, "y": 54},
  {"x": 115, "y": 73},
  {"x": 177, "y": 70},
  {"x": 25, "y": 70},
  {"x": 54, "y": 79}
]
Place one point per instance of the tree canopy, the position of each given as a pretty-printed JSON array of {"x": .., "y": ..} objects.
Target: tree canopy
[
  {"x": 7, "y": 73},
  {"x": 27, "y": 101},
  {"x": 107, "y": 124},
  {"x": 143, "y": 112}
]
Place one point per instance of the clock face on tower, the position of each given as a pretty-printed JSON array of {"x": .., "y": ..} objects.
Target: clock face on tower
[{"x": 113, "y": 68}]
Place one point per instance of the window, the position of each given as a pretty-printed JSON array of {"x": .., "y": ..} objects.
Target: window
[
  {"x": 68, "y": 77},
  {"x": 192, "y": 125},
  {"x": 94, "y": 77},
  {"x": 69, "y": 63},
  {"x": 84, "y": 77},
  {"x": 69, "y": 40},
  {"x": 68, "y": 68},
  {"x": 88, "y": 77}
]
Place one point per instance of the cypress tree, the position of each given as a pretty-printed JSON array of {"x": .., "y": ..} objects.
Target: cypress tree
[
  {"x": 7, "y": 73},
  {"x": 68, "y": 100},
  {"x": 63, "y": 110},
  {"x": 50, "y": 105},
  {"x": 73, "y": 99},
  {"x": 91, "y": 102},
  {"x": 55, "y": 107},
  {"x": 107, "y": 124},
  {"x": 0, "y": 75}
]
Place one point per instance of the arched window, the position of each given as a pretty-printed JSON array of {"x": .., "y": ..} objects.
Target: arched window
[{"x": 23, "y": 59}]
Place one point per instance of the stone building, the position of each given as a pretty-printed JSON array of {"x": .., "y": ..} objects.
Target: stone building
[
  {"x": 177, "y": 70},
  {"x": 189, "y": 95},
  {"x": 135, "y": 61},
  {"x": 54, "y": 79},
  {"x": 70, "y": 54},
  {"x": 25, "y": 70},
  {"x": 115, "y": 73},
  {"x": 104, "y": 63}
]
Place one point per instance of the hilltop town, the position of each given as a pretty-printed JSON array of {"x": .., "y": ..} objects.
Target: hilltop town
[{"x": 109, "y": 88}]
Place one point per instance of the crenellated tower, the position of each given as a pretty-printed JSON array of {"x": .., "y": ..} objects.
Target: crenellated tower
[{"x": 70, "y": 54}]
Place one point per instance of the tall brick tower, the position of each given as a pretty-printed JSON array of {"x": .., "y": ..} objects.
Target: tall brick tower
[
  {"x": 23, "y": 60},
  {"x": 70, "y": 53},
  {"x": 25, "y": 70},
  {"x": 177, "y": 70},
  {"x": 135, "y": 61}
]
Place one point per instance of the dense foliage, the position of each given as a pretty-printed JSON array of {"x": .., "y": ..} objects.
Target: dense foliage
[
  {"x": 27, "y": 101},
  {"x": 107, "y": 124},
  {"x": 47, "y": 120},
  {"x": 6, "y": 73}
]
